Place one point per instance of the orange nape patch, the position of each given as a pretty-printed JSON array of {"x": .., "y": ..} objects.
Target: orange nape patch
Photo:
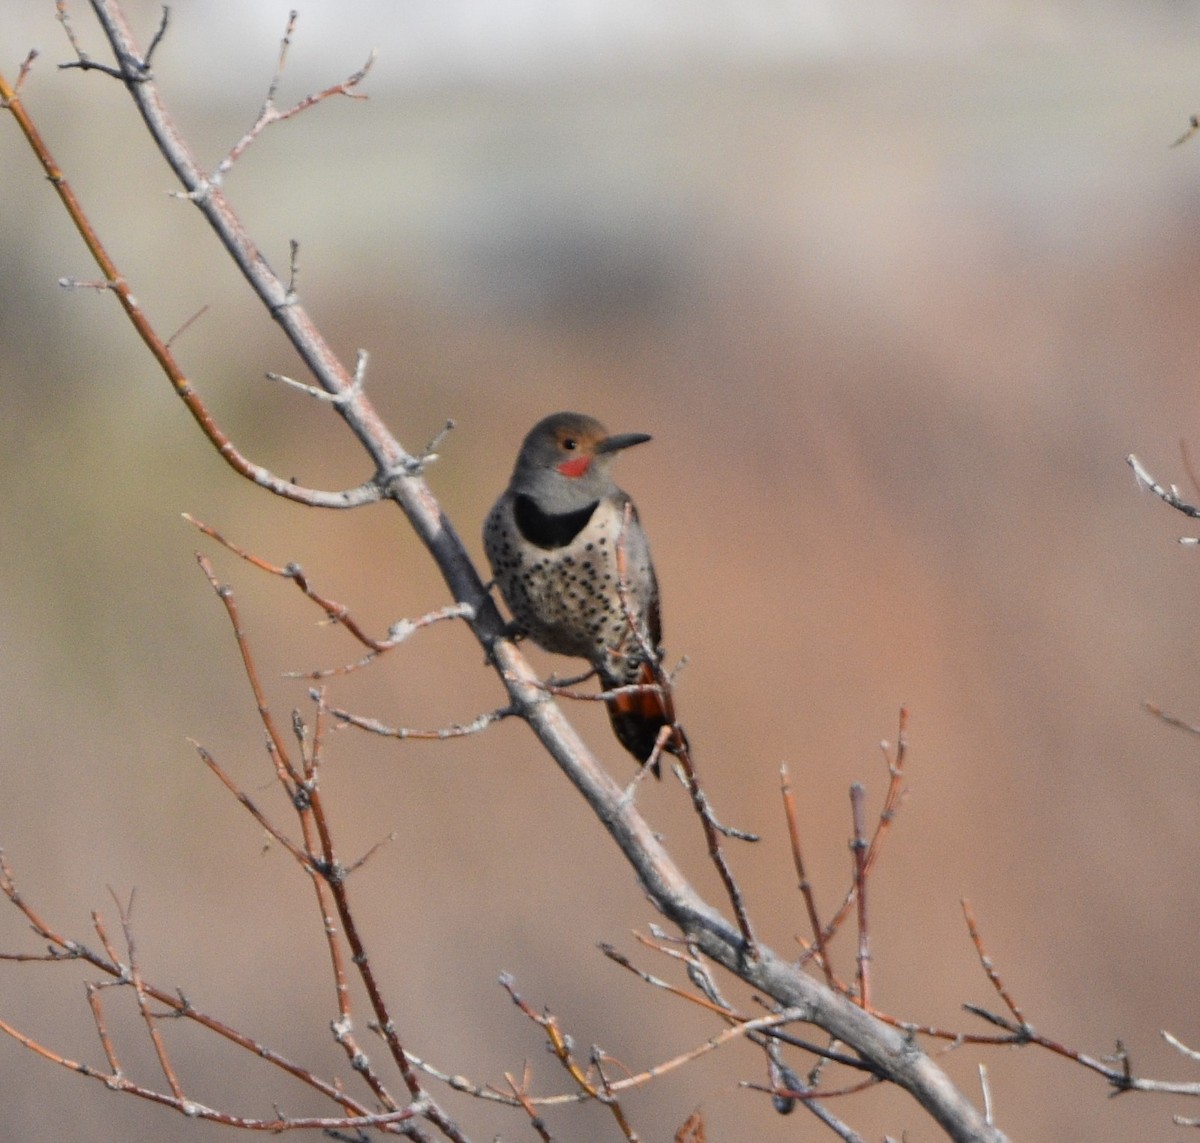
[{"x": 576, "y": 466}]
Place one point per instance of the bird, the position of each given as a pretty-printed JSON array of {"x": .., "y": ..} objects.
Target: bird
[{"x": 571, "y": 560}]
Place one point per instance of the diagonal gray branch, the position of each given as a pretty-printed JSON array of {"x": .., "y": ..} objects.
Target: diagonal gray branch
[{"x": 895, "y": 1055}]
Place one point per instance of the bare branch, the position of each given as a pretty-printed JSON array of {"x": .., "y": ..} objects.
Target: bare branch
[
  {"x": 1193, "y": 127},
  {"x": 270, "y": 114},
  {"x": 1170, "y": 719},
  {"x": 24, "y": 70},
  {"x": 113, "y": 280},
  {"x": 337, "y": 613},
  {"x": 1181, "y": 1047},
  {"x": 891, "y": 803},
  {"x": 858, "y": 847},
  {"x": 439, "y": 734},
  {"x": 66, "y": 950},
  {"x": 988, "y": 965},
  {"x": 1169, "y": 496},
  {"x": 398, "y": 478},
  {"x": 810, "y": 904}
]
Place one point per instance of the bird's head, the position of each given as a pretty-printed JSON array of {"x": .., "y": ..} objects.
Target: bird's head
[{"x": 565, "y": 461}]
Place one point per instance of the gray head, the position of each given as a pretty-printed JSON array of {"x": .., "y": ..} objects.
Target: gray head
[{"x": 565, "y": 461}]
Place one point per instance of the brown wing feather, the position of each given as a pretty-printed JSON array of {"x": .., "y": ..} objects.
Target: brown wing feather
[{"x": 638, "y": 718}]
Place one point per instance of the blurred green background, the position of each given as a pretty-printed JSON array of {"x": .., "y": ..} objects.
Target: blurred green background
[{"x": 895, "y": 287}]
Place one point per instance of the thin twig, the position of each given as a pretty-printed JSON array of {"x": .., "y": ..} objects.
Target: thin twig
[
  {"x": 520, "y": 1090},
  {"x": 24, "y": 70},
  {"x": 591, "y": 1090},
  {"x": 305, "y": 859},
  {"x": 67, "y": 950},
  {"x": 988, "y": 965},
  {"x": 609, "y": 1098},
  {"x": 858, "y": 847},
  {"x": 337, "y": 613},
  {"x": 680, "y": 747},
  {"x": 887, "y": 815},
  {"x": 1170, "y": 719},
  {"x": 438, "y": 734},
  {"x": 270, "y": 114},
  {"x": 1169, "y": 496},
  {"x": 125, "y": 911},
  {"x": 186, "y": 325},
  {"x": 319, "y": 859},
  {"x": 1180, "y": 1046},
  {"x": 1193, "y": 127},
  {"x": 115, "y": 280},
  {"x": 106, "y": 1042},
  {"x": 226, "y": 596},
  {"x": 396, "y": 477},
  {"x": 711, "y": 1001},
  {"x": 806, "y": 892},
  {"x": 787, "y": 1094},
  {"x": 712, "y": 836}
]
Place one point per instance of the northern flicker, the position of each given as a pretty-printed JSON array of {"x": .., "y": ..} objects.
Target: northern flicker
[{"x": 572, "y": 562}]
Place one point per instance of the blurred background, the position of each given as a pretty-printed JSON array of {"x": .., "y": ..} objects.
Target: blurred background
[{"x": 895, "y": 286}]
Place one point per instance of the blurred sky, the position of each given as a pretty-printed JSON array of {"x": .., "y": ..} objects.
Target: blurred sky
[
  {"x": 433, "y": 42},
  {"x": 895, "y": 287}
]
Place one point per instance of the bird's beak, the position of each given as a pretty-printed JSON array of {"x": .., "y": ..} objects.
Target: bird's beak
[{"x": 620, "y": 441}]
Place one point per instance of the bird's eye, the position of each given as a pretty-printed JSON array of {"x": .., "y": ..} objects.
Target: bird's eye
[{"x": 570, "y": 444}]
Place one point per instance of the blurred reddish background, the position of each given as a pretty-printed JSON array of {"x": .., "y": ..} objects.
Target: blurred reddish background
[{"x": 895, "y": 294}]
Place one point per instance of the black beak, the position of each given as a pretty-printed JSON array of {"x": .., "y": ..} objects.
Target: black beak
[{"x": 622, "y": 440}]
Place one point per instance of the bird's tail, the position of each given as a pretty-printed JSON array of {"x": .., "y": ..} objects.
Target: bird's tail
[{"x": 639, "y": 716}]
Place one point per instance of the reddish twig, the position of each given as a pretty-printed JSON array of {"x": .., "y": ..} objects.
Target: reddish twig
[
  {"x": 706, "y": 1002},
  {"x": 741, "y": 1027},
  {"x": 1170, "y": 719},
  {"x": 769, "y": 1039},
  {"x": 807, "y": 1095},
  {"x": 116, "y": 282},
  {"x": 114, "y": 1081},
  {"x": 887, "y": 815},
  {"x": 398, "y": 477},
  {"x": 270, "y": 114},
  {"x": 139, "y": 989},
  {"x": 858, "y": 847},
  {"x": 806, "y": 892},
  {"x": 609, "y": 1098},
  {"x": 319, "y": 859},
  {"x": 22, "y": 74},
  {"x": 248, "y": 804},
  {"x": 712, "y": 832},
  {"x": 680, "y": 748},
  {"x": 766, "y": 1032},
  {"x": 64, "y": 950},
  {"x": 988, "y": 965},
  {"x": 554, "y": 1036},
  {"x": 1018, "y": 1031},
  {"x": 337, "y": 613},
  {"x": 520, "y": 1092},
  {"x": 274, "y": 735},
  {"x": 106, "y": 1043}
]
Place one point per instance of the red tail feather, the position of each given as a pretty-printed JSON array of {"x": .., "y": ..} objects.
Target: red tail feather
[{"x": 638, "y": 717}]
